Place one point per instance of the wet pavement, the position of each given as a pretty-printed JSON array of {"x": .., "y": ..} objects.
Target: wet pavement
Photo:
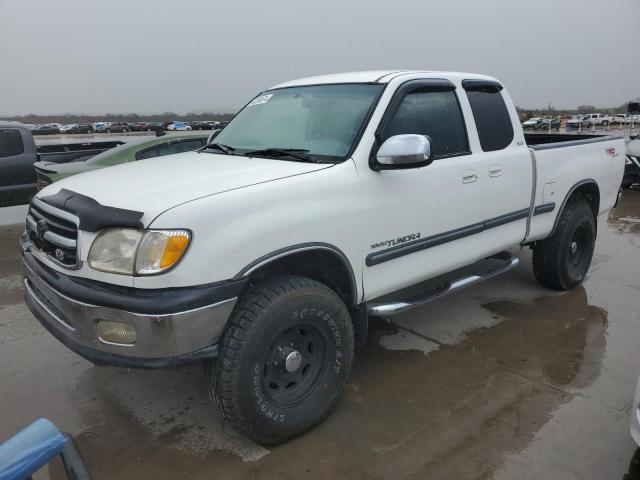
[{"x": 506, "y": 380}]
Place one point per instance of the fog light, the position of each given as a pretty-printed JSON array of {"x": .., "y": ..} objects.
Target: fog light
[{"x": 114, "y": 332}]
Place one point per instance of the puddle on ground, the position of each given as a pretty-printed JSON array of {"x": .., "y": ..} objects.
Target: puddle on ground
[
  {"x": 624, "y": 218},
  {"x": 458, "y": 409}
]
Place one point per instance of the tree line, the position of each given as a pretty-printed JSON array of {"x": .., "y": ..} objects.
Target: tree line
[{"x": 120, "y": 117}]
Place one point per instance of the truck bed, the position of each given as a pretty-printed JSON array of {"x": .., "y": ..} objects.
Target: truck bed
[
  {"x": 69, "y": 152},
  {"x": 563, "y": 162},
  {"x": 558, "y": 140}
]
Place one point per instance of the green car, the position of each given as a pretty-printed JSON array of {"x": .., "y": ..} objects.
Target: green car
[{"x": 137, "y": 149}]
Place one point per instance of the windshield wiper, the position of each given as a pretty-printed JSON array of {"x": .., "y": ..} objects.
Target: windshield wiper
[
  {"x": 298, "y": 153},
  {"x": 219, "y": 146}
]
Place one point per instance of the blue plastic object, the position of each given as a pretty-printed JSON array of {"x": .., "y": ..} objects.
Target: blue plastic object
[{"x": 27, "y": 451}]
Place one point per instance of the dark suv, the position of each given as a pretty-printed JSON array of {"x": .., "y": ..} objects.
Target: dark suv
[
  {"x": 81, "y": 128},
  {"x": 118, "y": 127}
]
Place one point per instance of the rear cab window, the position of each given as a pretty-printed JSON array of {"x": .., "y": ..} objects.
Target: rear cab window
[
  {"x": 10, "y": 143},
  {"x": 429, "y": 107},
  {"x": 490, "y": 113}
]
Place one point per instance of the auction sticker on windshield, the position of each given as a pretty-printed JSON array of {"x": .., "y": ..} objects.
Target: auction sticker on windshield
[{"x": 260, "y": 100}]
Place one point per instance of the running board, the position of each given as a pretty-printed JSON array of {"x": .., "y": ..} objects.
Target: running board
[{"x": 385, "y": 309}]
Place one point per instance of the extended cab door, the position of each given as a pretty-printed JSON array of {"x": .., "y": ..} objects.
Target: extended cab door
[
  {"x": 17, "y": 176},
  {"x": 471, "y": 202}
]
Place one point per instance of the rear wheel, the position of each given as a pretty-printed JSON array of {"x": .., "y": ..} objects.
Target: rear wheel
[
  {"x": 284, "y": 359},
  {"x": 562, "y": 261}
]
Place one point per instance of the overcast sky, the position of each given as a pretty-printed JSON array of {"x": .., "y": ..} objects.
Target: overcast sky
[{"x": 152, "y": 56}]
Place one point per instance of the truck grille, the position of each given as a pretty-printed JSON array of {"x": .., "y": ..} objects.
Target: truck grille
[{"x": 54, "y": 232}]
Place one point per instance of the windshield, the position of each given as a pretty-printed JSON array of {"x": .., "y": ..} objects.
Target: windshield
[{"x": 320, "y": 120}]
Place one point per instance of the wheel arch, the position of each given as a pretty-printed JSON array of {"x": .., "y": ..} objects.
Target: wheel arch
[
  {"x": 587, "y": 189},
  {"x": 323, "y": 262}
]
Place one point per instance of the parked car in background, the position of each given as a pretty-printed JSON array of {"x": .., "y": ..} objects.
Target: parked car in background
[
  {"x": 156, "y": 126},
  {"x": 45, "y": 130},
  {"x": 179, "y": 126},
  {"x": 18, "y": 153},
  {"x": 552, "y": 123},
  {"x": 118, "y": 127},
  {"x": 574, "y": 121},
  {"x": 139, "y": 149},
  {"x": 201, "y": 126},
  {"x": 101, "y": 127},
  {"x": 148, "y": 127},
  {"x": 532, "y": 123},
  {"x": 619, "y": 119},
  {"x": 597, "y": 119},
  {"x": 80, "y": 128},
  {"x": 538, "y": 123},
  {"x": 140, "y": 127}
]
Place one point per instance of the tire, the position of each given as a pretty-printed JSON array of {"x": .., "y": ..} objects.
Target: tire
[
  {"x": 562, "y": 260},
  {"x": 269, "y": 394}
]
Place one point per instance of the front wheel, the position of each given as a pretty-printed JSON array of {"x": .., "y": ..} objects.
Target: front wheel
[
  {"x": 561, "y": 261},
  {"x": 284, "y": 360}
]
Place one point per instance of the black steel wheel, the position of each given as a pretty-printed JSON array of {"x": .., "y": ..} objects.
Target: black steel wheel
[
  {"x": 284, "y": 359},
  {"x": 562, "y": 260},
  {"x": 580, "y": 252},
  {"x": 294, "y": 364}
]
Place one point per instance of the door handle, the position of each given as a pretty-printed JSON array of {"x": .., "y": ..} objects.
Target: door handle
[
  {"x": 469, "y": 176},
  {"x": 495, "y": 170}
]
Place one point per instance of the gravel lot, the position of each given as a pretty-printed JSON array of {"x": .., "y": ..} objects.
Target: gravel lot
[{"x": 505, "y": 380}]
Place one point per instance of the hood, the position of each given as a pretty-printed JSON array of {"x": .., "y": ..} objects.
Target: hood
[{"x": 155, "y": 185}]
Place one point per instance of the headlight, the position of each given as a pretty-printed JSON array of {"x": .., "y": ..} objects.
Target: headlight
[{"x": 135, "y": 252}]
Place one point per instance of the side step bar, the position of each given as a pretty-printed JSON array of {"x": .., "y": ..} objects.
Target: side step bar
[{"x": 385, "y": 309}]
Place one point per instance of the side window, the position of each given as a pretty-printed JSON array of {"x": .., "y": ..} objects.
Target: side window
[
  {"x": 426, "y": 111},
  {"x": 190, "y": 145},
  {"x": 491, "y": 116},
  {"x": 169, "y": 149},
  {"x": 10, "y": 143},
  {"x": 148, "y": 153}
]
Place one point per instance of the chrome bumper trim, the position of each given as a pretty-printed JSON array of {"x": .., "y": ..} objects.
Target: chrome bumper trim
[{"x": 158, "y": 336}]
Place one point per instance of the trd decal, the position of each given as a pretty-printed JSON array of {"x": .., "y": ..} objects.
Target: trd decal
[
  {"x": 611, "y": 151},
  {"x": 396, "y": 241}
]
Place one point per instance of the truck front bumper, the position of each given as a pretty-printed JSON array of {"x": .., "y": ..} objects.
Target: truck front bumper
[{"x": 63, "y": 306}]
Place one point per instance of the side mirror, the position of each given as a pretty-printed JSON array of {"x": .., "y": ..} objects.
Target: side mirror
[
  {"x": 404, "y": 151},
  {"x": 213, "y": 135}
]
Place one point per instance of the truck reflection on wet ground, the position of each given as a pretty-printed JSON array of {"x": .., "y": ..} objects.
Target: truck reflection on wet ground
[{"x": 505, "y": 380}]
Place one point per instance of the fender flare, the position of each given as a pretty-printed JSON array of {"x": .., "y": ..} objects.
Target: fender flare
[
  {"x": 302, "y": 247},
  {"x": 586, "y": 181}
]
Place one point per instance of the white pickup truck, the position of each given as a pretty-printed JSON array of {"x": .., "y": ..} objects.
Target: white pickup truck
[{"x": 325, "y": 201}]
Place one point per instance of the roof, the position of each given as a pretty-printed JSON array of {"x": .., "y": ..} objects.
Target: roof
[{"x": 374, "y": 76}]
